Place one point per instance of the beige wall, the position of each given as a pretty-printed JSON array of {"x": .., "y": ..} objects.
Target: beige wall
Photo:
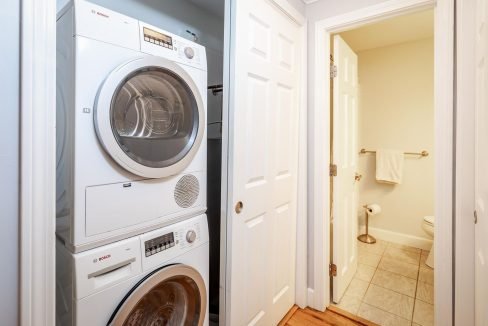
[{"x": 396, "y": 111}]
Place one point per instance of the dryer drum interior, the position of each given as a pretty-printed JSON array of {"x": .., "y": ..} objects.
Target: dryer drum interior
[
  {"x": 150, "y": 117},
  {"x": 154, "y": 117},
  {"x": 172, "y": 295}
]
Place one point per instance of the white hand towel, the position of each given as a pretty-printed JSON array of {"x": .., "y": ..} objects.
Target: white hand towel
[{"x": 389, "y": 166}]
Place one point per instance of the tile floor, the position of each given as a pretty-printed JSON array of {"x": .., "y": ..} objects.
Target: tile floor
[{"x": 392, "y": 286}]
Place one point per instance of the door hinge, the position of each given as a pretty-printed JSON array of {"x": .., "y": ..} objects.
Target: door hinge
[
  {"x": 333, "y": 170},
  {"x": 333, "y": 71},
  {"x": 475, "y": 217},
  {"x": 332, "y": 270}
]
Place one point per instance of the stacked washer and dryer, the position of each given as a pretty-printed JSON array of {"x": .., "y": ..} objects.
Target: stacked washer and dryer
[{"x": 132, "y": 237}]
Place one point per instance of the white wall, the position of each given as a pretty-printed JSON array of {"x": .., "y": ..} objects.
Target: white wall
[
  {"x": 396, "y": 111},
  {"x": 9, "y": 161}
]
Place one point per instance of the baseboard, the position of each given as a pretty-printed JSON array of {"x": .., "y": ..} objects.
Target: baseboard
[{"x": 400, "y": 238}]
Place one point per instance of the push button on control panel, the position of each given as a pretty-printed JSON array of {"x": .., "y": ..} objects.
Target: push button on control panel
[
  {"x": 158, "y": 38},
  {"x": 159, "y": 244}
]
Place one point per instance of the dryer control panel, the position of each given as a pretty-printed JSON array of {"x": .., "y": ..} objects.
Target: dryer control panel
[
  {"x": 158, "y": 38},
  {"x": 156, "y": 41}
]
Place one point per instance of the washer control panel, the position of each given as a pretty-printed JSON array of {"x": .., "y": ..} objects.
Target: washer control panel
[
  {"x": 163, "y": 245},
  {"x": 159, "y": 244},
  {"x": 191, "y": 236}
]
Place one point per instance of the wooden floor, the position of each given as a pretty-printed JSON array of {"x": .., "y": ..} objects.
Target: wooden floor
[{"x": 332, "y": 316}]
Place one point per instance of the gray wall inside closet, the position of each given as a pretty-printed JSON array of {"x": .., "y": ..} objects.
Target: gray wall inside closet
[{"x": 9, "y": 160}]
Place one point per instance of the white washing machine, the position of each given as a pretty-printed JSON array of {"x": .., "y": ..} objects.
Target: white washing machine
[
  {"x": 157, "y": 278},
  {"x": 131, "y": 129}
]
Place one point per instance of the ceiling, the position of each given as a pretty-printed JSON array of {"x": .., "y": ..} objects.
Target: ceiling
[
  {"x": 392, "y": 31},
  {"x": 215, "y": 7}
]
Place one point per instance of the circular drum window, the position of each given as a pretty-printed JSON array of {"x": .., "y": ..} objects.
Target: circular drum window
[
  {"x": 174, "y": 295},
  {"x": 154, "y": 117}
]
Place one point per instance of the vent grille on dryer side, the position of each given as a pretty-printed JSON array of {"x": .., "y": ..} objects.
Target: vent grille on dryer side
[{"x": 187, "y": 190}]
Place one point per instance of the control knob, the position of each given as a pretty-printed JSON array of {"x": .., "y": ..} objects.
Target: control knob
[
  {"x": 191, "y": 236},
  {"x": 189, "y": 52}
]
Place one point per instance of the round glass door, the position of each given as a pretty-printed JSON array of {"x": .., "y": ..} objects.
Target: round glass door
[
  {"x": 150, "y": 117},
  {"x": 174, "y": 295},
  {"x": 154, "y": 117}
]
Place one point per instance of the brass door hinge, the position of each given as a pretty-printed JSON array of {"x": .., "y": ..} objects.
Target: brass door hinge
[
  {"x": 332, "y": 270},
  {"x": 333, "y": 71},
  {"x": 333, "y": 170}
]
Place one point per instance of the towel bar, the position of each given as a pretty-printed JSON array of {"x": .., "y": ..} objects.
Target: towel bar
[{"x": 423, "y": 153}]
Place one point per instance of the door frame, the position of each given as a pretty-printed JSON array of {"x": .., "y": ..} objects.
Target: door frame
[
  {"x": 301, "y": 288},
  {"x": 37, "y": 162},
  {"x": 464, "y": 235},
  {"x": 444, "y": 144}
]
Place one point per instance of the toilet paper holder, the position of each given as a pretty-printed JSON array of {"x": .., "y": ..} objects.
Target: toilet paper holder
[{"x": 366, "y": 238}]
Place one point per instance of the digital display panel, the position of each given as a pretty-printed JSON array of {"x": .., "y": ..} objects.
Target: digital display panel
[
  {"x": 159, "y": 244},
  {"x": 157, "y": 38}
]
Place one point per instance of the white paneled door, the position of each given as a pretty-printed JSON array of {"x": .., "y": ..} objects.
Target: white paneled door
[
  {"x": 263, "y": 156},
  {"x": 481, "y": 165},
  {"x": 345, "y": 157}
]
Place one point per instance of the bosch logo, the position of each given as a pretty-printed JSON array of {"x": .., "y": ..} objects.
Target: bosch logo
[
  {"x": 99, "y": 13},
  {"x": 102, "y": 14},
  {"x": 104, "y": 257}
]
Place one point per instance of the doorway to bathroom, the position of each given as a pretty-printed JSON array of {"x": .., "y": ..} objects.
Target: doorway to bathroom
[{"x": 382, "y": 170}]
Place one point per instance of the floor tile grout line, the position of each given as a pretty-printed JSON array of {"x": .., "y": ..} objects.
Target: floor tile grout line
[
  {"x": 388, "y": 312},
  {"x": 377, "y": 268},
  {"x": 369, "y": 284},
  {"x": 416, "y": 287},
  {"x": 424, "y": 301},
  {"x": 379, "y": 308},
  {"x": 385, "y": 270},
  {"x": 378, "y": 285}
]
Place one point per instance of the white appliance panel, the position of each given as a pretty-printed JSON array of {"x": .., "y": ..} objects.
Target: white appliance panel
[
  {"x": 103, "y": 267},
  {"x": 134, "y": 203},
  {"x": 83, "y": 162},
  {"x": 94, "y": 304},
  {"x": 181, "y": 50},
  {"x": 105, "y": 25}
]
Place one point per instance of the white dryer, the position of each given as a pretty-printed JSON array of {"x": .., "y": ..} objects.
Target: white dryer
[
  {"x": 131, "y": 129},
  {"x": 157, "y": 278}
]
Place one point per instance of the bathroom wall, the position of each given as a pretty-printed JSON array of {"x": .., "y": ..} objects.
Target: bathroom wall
[
  {"x": 396, "y": 111},
  {"x": 9, "y": 161}
]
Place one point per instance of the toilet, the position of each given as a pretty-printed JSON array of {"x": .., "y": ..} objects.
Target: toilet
[{"x": 428, "y": 227}]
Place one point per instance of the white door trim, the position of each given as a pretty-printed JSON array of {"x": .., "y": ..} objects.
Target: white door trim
[
  {"x": 301, "y": 286},
  {"x": 464, "y": 250},
  {"x": 38, "y": 166},
  {"x": 227, "y": 152},
  {"x": 444, "y": 63}
]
